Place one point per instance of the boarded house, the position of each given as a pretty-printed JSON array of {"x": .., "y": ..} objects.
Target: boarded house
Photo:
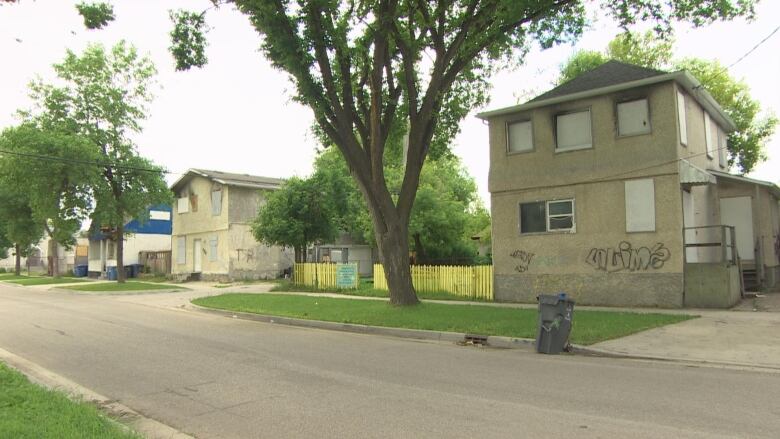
[
  {"x": 212, "y": 236},
  {"x": 614, "y": 188}
]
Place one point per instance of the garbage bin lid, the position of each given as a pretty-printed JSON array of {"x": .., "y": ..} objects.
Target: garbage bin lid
[{"x": 547, "y": 299}]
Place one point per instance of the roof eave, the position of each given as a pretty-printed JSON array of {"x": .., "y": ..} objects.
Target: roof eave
[
  {"x": 772, "y": 187},
  {"x": 682, "y": 77}
]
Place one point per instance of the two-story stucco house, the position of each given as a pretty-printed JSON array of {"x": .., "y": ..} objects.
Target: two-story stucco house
[
  {"x": 613, "y": 188},
  {"x": 212, "y": 236}
]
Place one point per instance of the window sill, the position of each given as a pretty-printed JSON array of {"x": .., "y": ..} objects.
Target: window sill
[{"x": 578, "y": 148}]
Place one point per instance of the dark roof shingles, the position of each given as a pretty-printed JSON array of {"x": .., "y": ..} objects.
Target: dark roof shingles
[{"x": 610, "y": 73}]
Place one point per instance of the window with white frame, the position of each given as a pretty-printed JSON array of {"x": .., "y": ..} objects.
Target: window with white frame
[
  {"x": 547, "y": 216},
  {"x": 573, "y": 131},
  {"x": 633, "y": 118},
  {"x": 722, "y": 145},
  {"x": 519, "y": 136},
  {"x": 708, "y": 134},
  {"x": 216, "y": 201},
  {"x": 181, "y": 250},
  {"x": 681, "y": 118}
]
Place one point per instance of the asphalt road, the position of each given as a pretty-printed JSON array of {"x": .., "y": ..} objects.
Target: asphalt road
[{"x": 215, "y": 377}]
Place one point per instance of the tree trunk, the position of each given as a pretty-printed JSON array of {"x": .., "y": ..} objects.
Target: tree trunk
[
  {"x": 18, "y": 267},
  {"x": 394, "y": 255},
  {"x": 53, "y": 260},
  {"x": 419, "y": 250},
  {"x": 120, "y": 254},
  {"x": 297, "y": 250}
]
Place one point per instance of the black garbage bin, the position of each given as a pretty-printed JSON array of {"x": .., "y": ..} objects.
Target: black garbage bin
[{"x": 555, "y": 315}]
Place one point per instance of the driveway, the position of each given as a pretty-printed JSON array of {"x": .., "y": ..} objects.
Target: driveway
[{"x": 215, "y": 377}]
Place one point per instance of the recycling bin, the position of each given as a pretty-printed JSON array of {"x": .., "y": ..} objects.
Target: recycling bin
[
  {"x": 80, "y": 270},
  {"x": 555, "y": 317},
  {"x": 111, "y": 273}
]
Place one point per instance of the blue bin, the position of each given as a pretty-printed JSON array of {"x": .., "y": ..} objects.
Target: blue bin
[
  {"x": 137, "y": 269},
  {"x": 80, "y": 270},
  {"x": 111, "y": 273}
]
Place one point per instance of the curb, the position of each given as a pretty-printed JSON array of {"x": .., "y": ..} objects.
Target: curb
[
  {"x": 417, "y": 334},
  {"x": 119, "y": 413},
  {"x": 595, "y": 352}
]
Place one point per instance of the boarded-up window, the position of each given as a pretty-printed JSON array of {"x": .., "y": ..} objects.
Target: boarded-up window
[
  {"x": 519, "y": 136},
  {"x": 640, "y": 205},
  {"x": 194, "y": 202},
  {"x": 213, "y": 248},
  {"x": 572, "y": 131},
  {"x": 722, "y": 145},
  {"x": 183, "y": 205},
  {"x": 181, "y": 250},
  {"x": 708, "y": 135},
  {"x": 681, "y": 118},
  {"x": 216, "y": 202},
  {"x": 633, "y": 118}
]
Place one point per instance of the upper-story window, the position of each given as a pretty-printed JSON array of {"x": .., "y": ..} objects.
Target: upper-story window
[
  {"x": 633, "y": 118},
  {"x": 519, "y": 136},
  {"x": 722, "y": 144},
  {"x": 572, "y": 131},
  {"x": 681, "y": 118},
  {"x": 708, "y": 138},
  {"x": 216, "y": 201},
  {"x": 183, "y": 205}
]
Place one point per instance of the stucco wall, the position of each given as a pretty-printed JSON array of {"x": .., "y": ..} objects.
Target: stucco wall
[
  {"x": 243, "y": 204},
  {"x": 532, "y": 264},
  {"x": 712, "y": 285},
  {"x": 611, "y": 155},
  {"x": 250, "y": 259},
  {"x": 696, "y": 149},
  {"x": 203, "y": 220}
]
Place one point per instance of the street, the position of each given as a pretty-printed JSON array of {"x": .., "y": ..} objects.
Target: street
[{"x": 214, "y": 377}]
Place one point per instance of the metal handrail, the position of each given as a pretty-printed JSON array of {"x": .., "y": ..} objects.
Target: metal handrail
[{"x": 724, "y": 243}]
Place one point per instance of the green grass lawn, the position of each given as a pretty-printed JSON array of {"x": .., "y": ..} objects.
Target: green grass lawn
[
  {"x": 43, "y": 280},
  {"x": 29, "y": 411},
  {"x": 588, "y": 327},
  {"x": 366, "y": 289},
  {"x": 10, "y": 276},
  {"x": 116, "y": 287}
]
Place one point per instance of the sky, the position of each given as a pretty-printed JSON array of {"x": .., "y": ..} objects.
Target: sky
[{"x": 237, "y": 113}]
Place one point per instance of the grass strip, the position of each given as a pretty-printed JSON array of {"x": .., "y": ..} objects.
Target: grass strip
[
  {"x": 588, "y": 326},
  {"x": 30, "y": 411},
  {"x": 116, "y": 287},
  {"x": 42, "y": 280},
  {"x": 366, "y": 289}
]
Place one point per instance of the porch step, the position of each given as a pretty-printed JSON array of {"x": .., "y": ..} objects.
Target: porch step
[{"x": 750, "y": 280}]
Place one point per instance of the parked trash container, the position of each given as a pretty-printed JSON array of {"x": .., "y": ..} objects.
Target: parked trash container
[
  {"x": 555, "y": 314},
  {"x": 111, "y": 273},
  {"x": 137, "y": 269},
  {"x": 80, "y": 270}
]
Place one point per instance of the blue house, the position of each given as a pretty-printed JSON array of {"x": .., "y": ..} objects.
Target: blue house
[{"x": 152, "y": 236}]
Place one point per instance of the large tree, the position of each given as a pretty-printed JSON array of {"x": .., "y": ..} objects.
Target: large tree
[
  {"x": 367, "y": 66},
  {"x": 296, "y": 215},
  {"x": 102, "y": 98},
  {"x": 746, "y": 145},
  {"x": 18, "y": 227},
  {"x": 48, "y": 176}
]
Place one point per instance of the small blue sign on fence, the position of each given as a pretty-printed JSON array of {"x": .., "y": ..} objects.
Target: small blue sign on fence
[{"x": 346, "y": 276}]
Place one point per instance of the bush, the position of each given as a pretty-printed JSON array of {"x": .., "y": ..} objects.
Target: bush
[{"x": 2, "y": 270}]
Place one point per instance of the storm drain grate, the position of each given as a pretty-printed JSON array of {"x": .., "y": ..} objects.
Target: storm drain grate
[{"x": 475, "y": 339}]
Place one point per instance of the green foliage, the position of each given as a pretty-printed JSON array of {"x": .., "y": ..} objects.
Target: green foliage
[
  {"x": 188, "y": 39},
  {"x": 96, "y": 15},
  {"x": 745, "y": 144},
  {"x": 103, "y": 98},
  {"x": 295, "y": 215},
  {"x": 446, "y": 213}
]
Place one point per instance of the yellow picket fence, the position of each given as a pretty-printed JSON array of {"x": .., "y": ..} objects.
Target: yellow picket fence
[
  {"x": 321, "y": 275},
  {"x": 467, "y": 281}
]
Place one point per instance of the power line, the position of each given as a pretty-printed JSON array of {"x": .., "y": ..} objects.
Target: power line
[
  {"x": 88, "y": 162},
  {"x": 745, "y": 55}
]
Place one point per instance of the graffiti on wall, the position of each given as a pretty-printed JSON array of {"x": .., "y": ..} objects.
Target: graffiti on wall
[
  {"x": 523, "y": 260},
  {"x": 627, "y": 258},
  {"x": 248, "y": 254}
]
